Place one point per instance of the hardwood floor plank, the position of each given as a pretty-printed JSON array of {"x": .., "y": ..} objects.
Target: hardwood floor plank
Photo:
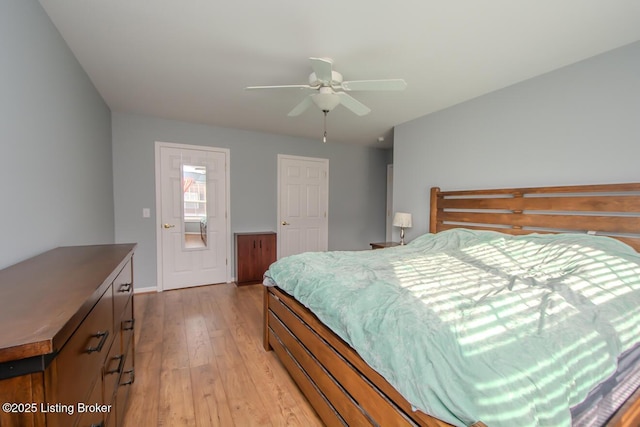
[
  {"x": 144, "y": 395},
  {"x": 214, "y": 320},
  {"x": 244, "y": 399},
  {"x": 200, "y": 362},
  {"x": 148, "y": 311},
  {"x": 176, "y": 399},
  {"x": 175, "y": 353},
  {"x": 228, "y": 305},
  {"x": 209, "y": 397},
  {"x": 281, "y": 405},
  {"x": 252, "y": 312},
  {"x": 197, "y": 336}
]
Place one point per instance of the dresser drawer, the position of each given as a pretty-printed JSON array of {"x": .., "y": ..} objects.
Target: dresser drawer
[
  {"x": 80, "y": 361},
  {"x": 117, "y": 359},
  {"x": 95, "y": 415},
  {"x": 122, "y": 291},
  {"x": 127, "y": 325},
  {"x": 128, "y": 377},
  {"x": 113, "y": 367}
]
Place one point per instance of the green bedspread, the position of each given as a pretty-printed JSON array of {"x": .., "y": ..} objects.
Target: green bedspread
[{"x": 470, "y": 325}]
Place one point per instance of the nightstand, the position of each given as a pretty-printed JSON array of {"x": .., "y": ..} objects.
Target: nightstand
[{"x": 382, "y": 245}]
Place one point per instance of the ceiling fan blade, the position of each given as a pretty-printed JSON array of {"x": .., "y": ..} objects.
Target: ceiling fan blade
[
  {"x": 322, "y": 67},
  {"x": 281, "y": 87},
  {"x": 298, "y": 109},
  {"x": 388, "y": 84},
  {"x": 353, "y": 104}
]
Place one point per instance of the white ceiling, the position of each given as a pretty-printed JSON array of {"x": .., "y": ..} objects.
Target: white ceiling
[{"x": 190, "y": 60}]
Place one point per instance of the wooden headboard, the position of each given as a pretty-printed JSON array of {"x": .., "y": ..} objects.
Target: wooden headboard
[{"x": 610, "y": 209}]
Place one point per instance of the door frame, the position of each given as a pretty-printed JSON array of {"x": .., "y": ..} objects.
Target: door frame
[
  {"x": 389, "y": 214},
  {"x": 326, "y": 201},
  {"x": 158, "y": 146}
]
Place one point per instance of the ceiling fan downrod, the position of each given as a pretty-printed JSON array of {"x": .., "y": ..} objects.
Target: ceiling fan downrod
[{"x": 324, "y": 138}]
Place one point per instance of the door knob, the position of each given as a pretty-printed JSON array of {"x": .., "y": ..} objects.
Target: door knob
[
  {"x": 285, "y": 223},
  {"x": 169, "y": 226}
]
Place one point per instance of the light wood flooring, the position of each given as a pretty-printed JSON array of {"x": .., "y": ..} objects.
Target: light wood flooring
[{"x": 199, "y": 362}]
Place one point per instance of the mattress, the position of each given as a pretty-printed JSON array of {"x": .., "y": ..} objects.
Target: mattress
[{"x": 604, "y": 400}]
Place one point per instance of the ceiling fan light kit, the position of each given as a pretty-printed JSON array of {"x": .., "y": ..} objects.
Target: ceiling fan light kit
[
  {"x": 326, "y": 99},
  {"x": 331, "y": 89}
]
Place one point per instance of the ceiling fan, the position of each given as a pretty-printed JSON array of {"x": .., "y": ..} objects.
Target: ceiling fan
[{"x": 331, "y": 90}]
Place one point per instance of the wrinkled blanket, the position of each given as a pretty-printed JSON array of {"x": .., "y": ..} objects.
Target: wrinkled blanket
[{"x": 477, "y": 325}]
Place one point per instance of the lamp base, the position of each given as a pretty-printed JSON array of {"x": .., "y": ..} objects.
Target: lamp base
[{"x": 402, "y": 235}]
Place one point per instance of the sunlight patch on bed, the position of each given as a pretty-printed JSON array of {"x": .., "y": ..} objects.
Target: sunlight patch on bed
[
  {"x": 493, "y": 297},
  {"x": 519, "y": 385},
  {"x": 544, "y": 365},
  {"x": 473, "y": 281}
]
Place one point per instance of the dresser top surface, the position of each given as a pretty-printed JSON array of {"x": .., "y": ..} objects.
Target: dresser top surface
[{"x": 43, "y": 299}]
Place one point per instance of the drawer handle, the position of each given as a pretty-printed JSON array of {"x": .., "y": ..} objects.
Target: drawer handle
[
  {"x": 132, "y": 377},
  {"x": 103, "y": 338},
  {"x": 126, "y": 287},
  {"x": 120, "y": 358},
  {"x": 101, "y": 424},
  {"x": 130, "y": 324}
]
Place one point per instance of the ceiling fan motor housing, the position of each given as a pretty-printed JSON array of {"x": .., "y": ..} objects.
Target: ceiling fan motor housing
[{"x": 336, "y": 80}]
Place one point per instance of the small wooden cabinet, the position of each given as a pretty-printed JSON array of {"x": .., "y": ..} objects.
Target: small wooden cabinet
[
  {"x": 254, "y": 254},
  {"x": 66, "y": 349}
]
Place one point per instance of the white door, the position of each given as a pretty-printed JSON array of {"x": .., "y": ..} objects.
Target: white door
[
  {"x": 303, "y": 200},
  {"x": 193, "y": 228}
]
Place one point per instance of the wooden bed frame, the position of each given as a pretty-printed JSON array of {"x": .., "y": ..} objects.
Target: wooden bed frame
[{"x": 343, "y": 389}]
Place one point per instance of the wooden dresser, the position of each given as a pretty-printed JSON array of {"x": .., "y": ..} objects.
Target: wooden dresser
[
  {"x": 255, "y": 251},
  {"x": 66, "y": 343}
]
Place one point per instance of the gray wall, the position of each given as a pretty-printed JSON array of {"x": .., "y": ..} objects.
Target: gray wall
[
  {"x": 357, "y": 183},
  {"x": 576, "y": 125},
  {"x": 55, "y": 134}
]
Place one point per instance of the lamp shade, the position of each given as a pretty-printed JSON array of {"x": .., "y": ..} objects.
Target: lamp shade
[{"x": 402, "y": 219}]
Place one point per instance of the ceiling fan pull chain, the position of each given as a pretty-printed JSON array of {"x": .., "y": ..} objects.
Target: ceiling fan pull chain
[{"x": 324, "y": 138}]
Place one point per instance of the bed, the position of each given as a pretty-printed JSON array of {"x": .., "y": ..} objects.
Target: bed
[{"x": 345, "y": 389}]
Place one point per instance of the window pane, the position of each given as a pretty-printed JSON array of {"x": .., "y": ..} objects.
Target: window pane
[{"x": 194, "y": 185}]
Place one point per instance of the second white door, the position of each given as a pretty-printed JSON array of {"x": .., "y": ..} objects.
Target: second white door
[{"x": 303, "y": 199}]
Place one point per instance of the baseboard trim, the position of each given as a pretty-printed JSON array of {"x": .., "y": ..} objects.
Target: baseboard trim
[{"x": 145, "y": 290}]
